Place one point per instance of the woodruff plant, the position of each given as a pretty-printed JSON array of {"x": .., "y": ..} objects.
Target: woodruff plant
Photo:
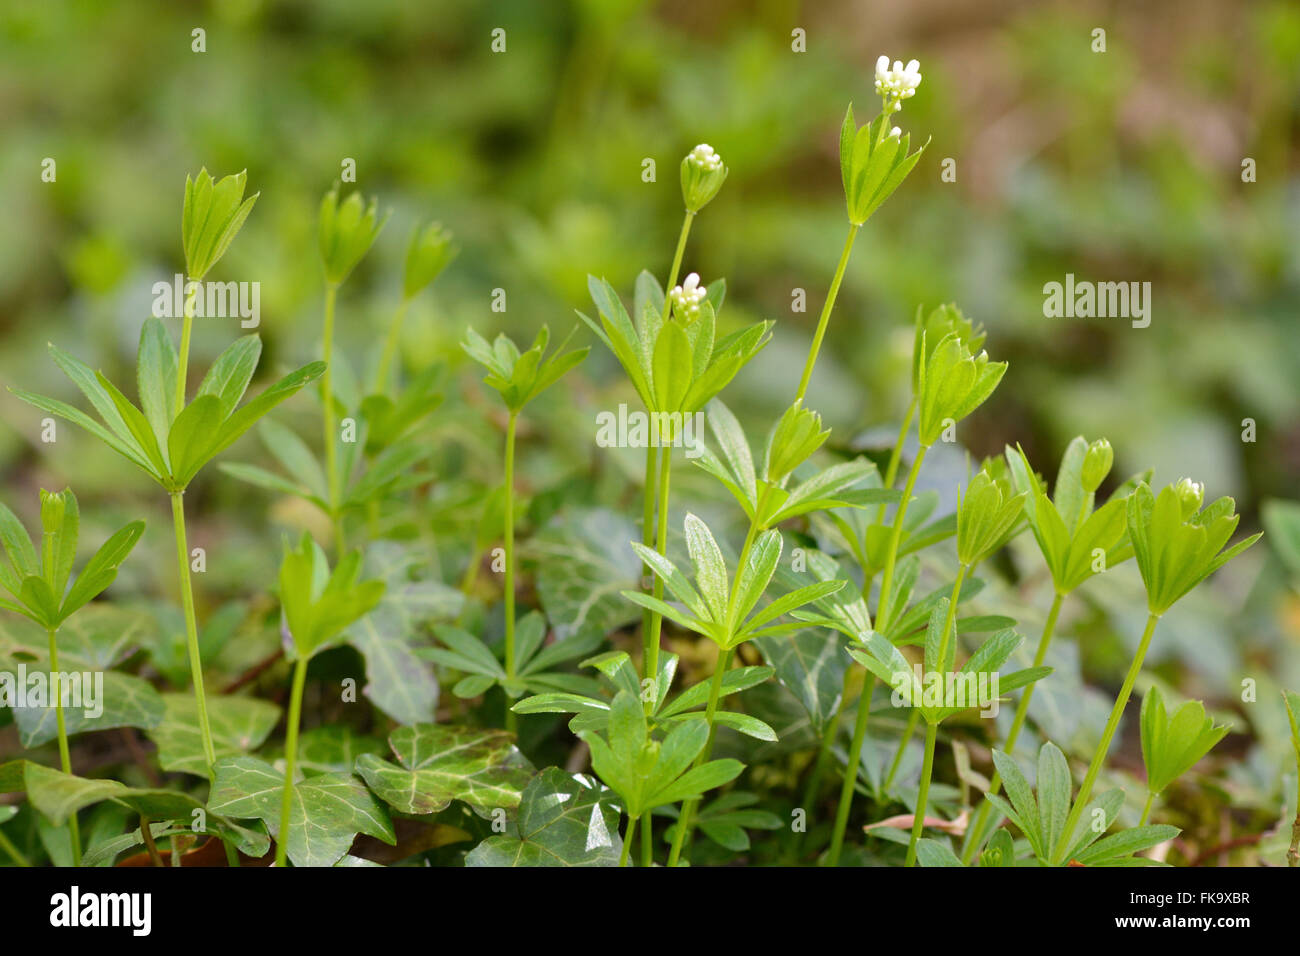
[{"x": 826, "y": 592}]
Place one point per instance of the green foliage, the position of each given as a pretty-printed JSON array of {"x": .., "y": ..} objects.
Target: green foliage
[
  {"x": 38, "y": 586},
  {"x": 874, "y": 161},
  {"x": 520, "y": 377},
  {"x": 430, "y": 250},
  {"x": 952, "y": 383},
  {"x": 319, "y": 605},
  {"x": 213, "y": 215},
  {"x": 988, "y": 514},
  {"x": 1173, "y": 743},
  {"x": 346, "y": 231},
  {"x": 1176, "y": 543}
]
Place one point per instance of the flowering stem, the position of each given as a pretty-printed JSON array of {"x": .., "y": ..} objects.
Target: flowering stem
[
  {"x": 976, "y": 833},
  {"x": 826, "y": 312},
  {"x": 290, "y": 758},
  {"x": 65, "y": 756},
  {"x": 327, "y": 395},
  {"x": 923, "y": 798},
  {"x": 661, "y": 545},
  {"x": 510, "y": 562},
  {"x": 1099, "y": 758},
  {"x": 648, "y": 541},
  {"x": 851, "y": 772},
  {"x": 677, "y": 260},
  {"x": 183, "y": 362},
  {"x": 390, "y": 347},
  {"x": 1146, "y": 810},
  {"x": 685, "y": 822},
  {"x": 191, "y": 627}
]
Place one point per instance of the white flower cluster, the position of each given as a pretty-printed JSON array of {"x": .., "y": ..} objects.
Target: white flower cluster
[
  {"x": 703, "y": 157},
  {"x": 1190, "y": 492},
  {"x": 687, "y": 297},
  {"x": 899, "y": 83}
]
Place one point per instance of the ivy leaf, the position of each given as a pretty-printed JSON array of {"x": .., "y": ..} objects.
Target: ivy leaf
[
  {"x": 582, "y": 566},
  {"x": 59, "y": 795},
  {"x": 238, "y": 725},
  {"x": 564, "y": 820},
  {"x": 123, "y": 701},
  {"x": 439, "y": 764},
  {"x": 811, "y": 664},
  {"x": 327, "y": 812}
]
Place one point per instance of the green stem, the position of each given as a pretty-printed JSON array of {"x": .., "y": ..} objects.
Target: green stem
[
  {"x": 647, "y": 840},
  {"x": 327, "y": 397},
  {"x": 976, "y": 833},
  {"x": 948, "y": 625},
  {"x": 923, "y": 798},
  {"x": 65, "y": 755},
  {"x": 183, "y": 360},
  {"x": 685, "y": 822},
  {"x": 7, "y": 845},
  {"x": 850, "y": 781},
  {"x": 510, "y": 562},
  {"x": 677, "y": 261},
  {"x": 648, "y": 541},
  {"x": 1146, "y": 810},
  {"x": 191, "y": 627},
  {"x": 891, "y": 470},
  {"x": 290, "y": 758},
  {"x": 883, "y": 613},
  {"x": 661, "y": 545},
  {"x": 627, "y": 840},
  {"x": 390, "y": 347},
  {"x": 1099, "y": 758},
  {"x": 826, "y": 312}
]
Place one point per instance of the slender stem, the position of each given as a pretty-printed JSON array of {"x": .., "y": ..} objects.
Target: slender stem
[
  {"x": 290, "y": 758},
  {"x": 661, "y": 545},
  {"x": 1146, "y": 811},
  {"x": 948, "y": 629},
  {"x": 65, "y": 755},
  {"x": 7, "y": 845},
  {"x": 183, "y": 361},
  {"x": 327, "y": 397},
  {"x": 891, "y": 470},
  {"x": 390, "y": 347},
  {"x": 851, "y": 772},
  {"x": 826, "y": 312},
  {"x": 647, "y": 840},
  {"x": 677, "y": 261},
  {"x": 1293, "y": 851},
  {"x": 1099, "y": 758},
  {"x": 510, "y": 561},
  {"x": 685, "y": 822},
  {"x": 149, "y": 843},
  {"x": 976, "y": 832},
  {"x": 648, "y": 541},
  {"x": 883, "y": 613},
  {"x": 922, "y": 798},
  {"x": 627, "y": 840},
  {"x": 191, "y": 627}
]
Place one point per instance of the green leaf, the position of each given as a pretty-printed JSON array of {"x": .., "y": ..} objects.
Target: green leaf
[
  {"x": 811, "y": 663},
  {"x": 563, "y": 820},
  {"x": 156, "y": 377},
  {"x": 238, "y": 725},
  {"x": 101, "y": 570},
  {"x": 326, "y": 814},
  {"x": 439, "y": 764},
  {"x": 710, "y": 569},
  {"x": 672, "y": 369},
  {"x": 229, "y": 375}
]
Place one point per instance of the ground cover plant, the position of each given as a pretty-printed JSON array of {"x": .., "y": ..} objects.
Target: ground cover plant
[{"x": 779, "y": 647}]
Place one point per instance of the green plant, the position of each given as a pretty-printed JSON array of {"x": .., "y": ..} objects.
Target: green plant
[
  {"x": 1173, "y": 743},
  {"x": 318, "y": 607},
  {"x": 38, "y": 586}
]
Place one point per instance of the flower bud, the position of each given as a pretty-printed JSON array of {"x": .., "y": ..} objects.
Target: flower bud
[
  {"x": 430, "y": 251},
  {"x": 703, "y": 174},
  {"x": 53, "y": 508},
  {"x": 687, "y": 298},
  {"x": 1190, "y": 495},
  {"x": 1096, "y": 464}
]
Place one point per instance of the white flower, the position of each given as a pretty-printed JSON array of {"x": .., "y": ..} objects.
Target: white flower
[
  {"x": 686, "y": 298},
  {"x": 895, "y": 133},
  {"x": 704, "y": 158},
  {"x": 898, "y": 83}
]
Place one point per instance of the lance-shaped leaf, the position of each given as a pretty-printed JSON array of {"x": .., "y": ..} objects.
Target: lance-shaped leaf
[
  {"x": 563, "y": 820},
  {"x": 326, "y": 814},
  {"x": 439, "y": 764},
  {"x": 212, "y": 216},
  {"x": 1173, "y": 743}
]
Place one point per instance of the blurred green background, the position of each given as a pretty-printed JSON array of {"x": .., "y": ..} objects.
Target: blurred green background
[{"x": 1116, "y": 166}]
